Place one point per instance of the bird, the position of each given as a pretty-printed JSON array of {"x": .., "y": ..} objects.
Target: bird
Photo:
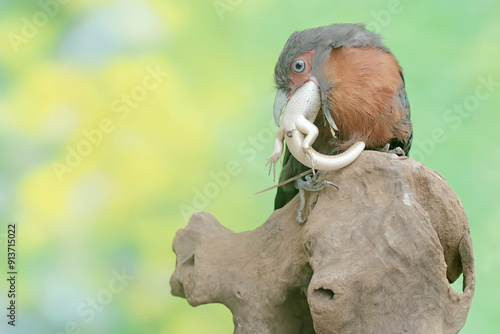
[{"x": 362, "y": 89}]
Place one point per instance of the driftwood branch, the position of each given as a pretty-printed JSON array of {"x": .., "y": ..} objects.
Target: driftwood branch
[{"x": 376, "y": 256}]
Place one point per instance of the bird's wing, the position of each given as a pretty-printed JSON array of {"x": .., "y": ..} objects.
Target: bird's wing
[
  {"x": 291, "y": 168},
  {"x": 405, "y": 144}
]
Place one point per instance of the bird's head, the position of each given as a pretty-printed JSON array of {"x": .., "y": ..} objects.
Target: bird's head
[{"x": 304, "y": 57}]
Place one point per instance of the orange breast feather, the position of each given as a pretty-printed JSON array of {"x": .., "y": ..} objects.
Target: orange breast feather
[{"x": 364, "y": 98}]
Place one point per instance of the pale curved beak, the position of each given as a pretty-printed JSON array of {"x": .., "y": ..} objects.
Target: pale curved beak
[{"x": 279, "y": 104}]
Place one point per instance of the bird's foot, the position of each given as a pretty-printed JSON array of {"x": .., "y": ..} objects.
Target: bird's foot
[
  {"x": 397, "y": 150},
  {"x": 309, "y": 184}
]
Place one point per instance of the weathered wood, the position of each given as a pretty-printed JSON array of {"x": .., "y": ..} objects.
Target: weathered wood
[{"x": 375, "y": 256}]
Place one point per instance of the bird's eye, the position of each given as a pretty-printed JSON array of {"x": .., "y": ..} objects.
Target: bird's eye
[{"x": 298, "y": 66}]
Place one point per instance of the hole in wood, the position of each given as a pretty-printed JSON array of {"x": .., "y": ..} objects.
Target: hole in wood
[{"x": 324, "y": 293}]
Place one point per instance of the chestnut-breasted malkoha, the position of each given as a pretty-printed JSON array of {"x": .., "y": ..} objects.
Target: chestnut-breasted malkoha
[{"x": 361, "y": 89}]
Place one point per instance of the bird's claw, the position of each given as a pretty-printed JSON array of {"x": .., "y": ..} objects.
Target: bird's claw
[
  {"x": 397, "y": 150},
  {"x": 310, "y": 185},
  {"x": 330, "y": 184}
]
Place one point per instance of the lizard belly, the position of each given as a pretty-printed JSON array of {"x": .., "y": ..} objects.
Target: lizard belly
[
  {"x": 300, "y": 113},
  {"x": 320, "y": 161}
]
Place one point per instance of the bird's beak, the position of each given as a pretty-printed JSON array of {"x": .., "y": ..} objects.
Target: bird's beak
[{"x": 279, "y": 103}]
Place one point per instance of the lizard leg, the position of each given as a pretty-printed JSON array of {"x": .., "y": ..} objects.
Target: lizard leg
[
  {"x": 278, "y": 151},
  {"x": 309, "y": 154}
]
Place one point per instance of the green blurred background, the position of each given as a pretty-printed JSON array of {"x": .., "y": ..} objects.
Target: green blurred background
[{"x": 76, "y": 69}]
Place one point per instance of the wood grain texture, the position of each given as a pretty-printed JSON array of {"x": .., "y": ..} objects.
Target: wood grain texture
[{"x": 375, "y": 256}]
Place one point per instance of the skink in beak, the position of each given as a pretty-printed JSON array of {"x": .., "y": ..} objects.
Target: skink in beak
[{"x": 281, "y": 99}]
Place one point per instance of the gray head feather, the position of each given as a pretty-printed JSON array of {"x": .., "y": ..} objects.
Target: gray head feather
[{"x": 322, "y": 39}]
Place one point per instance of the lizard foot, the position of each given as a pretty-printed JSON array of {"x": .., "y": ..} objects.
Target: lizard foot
[
  {"x": 309, "y": 154},
  {"x": 397, "y": 150},
  {"x": 272, "y": 161},
  {"x": 309, "y": 184}
]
